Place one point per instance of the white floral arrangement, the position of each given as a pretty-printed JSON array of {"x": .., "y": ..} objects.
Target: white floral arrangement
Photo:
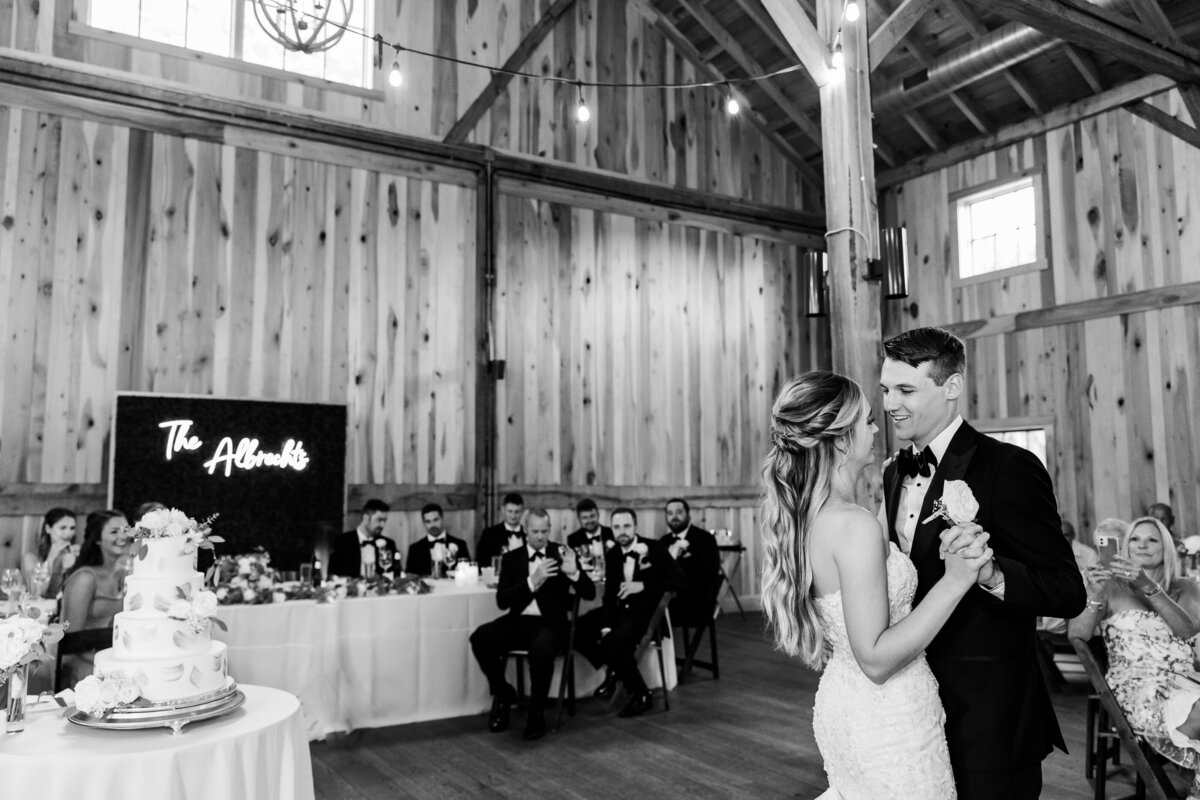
[
  {"x": 1191, "y": 545},
  {"x": 172, "y": 523},
  {"x": 197, "y": 611},
  {"x": 23, "y": 640},
  {"x": 444, "y": 552},
  {"x": 99, "y": 693},
  {"x": 641, "y": 549},
  {"x": 957, "y": 505}
]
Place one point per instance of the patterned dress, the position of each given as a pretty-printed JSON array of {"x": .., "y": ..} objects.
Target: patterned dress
[
  {"x": 1144, "y": 657},
  {"x": 880, "y": 740}
]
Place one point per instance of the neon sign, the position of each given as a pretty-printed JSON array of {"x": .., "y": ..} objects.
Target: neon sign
[{"x": 245, "y": 455}]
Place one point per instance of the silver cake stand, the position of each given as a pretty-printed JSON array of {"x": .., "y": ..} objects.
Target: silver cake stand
[{"x": 165, "y": 715}]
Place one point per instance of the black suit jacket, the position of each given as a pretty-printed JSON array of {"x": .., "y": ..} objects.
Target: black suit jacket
[
  {"x": 420, "y": 554},
  {"x": 656, "y": 569},
  {"x": 493, "y": 541},
  {"x": 579, "y": 538},
  {"x": 701, "y": 564},
  {"x": 346, "y": 558},
  {"x": 553, "y": 597},
  {"x": 998, "y": 712}
]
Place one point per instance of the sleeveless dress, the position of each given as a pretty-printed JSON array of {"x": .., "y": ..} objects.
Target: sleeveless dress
[{"x": 880, "y": 741}]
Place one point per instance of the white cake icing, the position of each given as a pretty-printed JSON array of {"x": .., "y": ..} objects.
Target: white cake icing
[{"x": 168, "y": 660}]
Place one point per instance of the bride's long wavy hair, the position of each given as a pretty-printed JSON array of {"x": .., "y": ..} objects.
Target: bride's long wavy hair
[{"x": 813, "y": 412}]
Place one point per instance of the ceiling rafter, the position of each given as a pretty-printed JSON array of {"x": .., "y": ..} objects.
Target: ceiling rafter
[
  {"x": 1087, "y": 67},
  {"x": 892, "y": 31},
  {"x": 1019, "y": 83},
  {"x": 1151, "y": 13},
  {"x": 1172, "y": 125},
  {"x": 710, "y": 72}
]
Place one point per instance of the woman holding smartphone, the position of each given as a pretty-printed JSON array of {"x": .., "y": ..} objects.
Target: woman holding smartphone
[{"x": 1148, "y": 616}]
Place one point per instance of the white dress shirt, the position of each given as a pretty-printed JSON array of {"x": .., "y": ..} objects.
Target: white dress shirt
[
  {"x": 532, "y": 609},
  {"x": 912, "y": 495}
]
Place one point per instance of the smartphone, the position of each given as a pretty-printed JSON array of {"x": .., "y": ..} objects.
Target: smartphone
[{"x": 1107, "y": 547}]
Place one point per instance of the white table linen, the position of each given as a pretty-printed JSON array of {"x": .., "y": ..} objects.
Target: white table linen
[{"x": 257, "y": 752}]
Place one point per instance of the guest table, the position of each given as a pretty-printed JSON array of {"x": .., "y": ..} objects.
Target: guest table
[
  {"x": 367, "y": 662},
  {"x": 257, "y": 752}
]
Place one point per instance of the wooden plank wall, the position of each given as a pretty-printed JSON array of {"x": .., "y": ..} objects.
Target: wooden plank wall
[
  {"x": 1123, "y": 201},
  {"x": 149, "y": 262},
  {"x": 642, "y": 359},
  {"x": 680, "y": 138}
]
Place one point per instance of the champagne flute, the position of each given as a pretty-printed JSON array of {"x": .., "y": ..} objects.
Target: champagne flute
[{"x": 12, "y": 583}]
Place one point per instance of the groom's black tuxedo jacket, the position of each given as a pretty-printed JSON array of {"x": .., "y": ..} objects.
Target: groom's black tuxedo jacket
[
  {"x": 553, "y": 597},
  {"x": 998, "y": 712}
]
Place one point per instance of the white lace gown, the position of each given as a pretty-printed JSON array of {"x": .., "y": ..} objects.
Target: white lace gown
[{"x": 880, "y": 741}]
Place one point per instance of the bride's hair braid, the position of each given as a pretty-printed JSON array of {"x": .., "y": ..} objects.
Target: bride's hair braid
[{"x": 813, "y": 412}]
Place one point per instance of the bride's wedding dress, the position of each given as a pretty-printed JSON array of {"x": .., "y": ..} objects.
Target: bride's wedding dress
[{"x": 880, "y": 741}]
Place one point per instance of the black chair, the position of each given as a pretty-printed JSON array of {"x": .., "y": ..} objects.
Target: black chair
[
  {"x": 566, "y": 681},
  {"x": 691, "y": 639},
  {"x": 1108, "y": 730},
  {"x": 658, "y": 630},
  {"x": 74, "y": 642}
]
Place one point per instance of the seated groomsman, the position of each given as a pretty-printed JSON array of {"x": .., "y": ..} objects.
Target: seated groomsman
[
  {"x": 365, "y": 551},
  {"x": 503, "y": 536},
  {"x": 590, "y": 530},
  {"x": 695, "y": 550},
  {"x": 421, "y": 552},
  {"x": 536, "y": 584},
  {"x": 637, "y": 573}
]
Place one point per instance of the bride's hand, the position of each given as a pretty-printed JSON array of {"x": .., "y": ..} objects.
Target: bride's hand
[{"x": 963, "y": 566}]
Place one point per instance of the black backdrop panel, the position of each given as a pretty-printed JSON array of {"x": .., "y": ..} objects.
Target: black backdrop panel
[{"x": 278, "y": 496}]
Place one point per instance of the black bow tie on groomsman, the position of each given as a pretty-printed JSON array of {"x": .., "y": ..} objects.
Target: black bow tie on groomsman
[
  {"x": 537, "y": 556},
  {"x": 910, "y": 464}
]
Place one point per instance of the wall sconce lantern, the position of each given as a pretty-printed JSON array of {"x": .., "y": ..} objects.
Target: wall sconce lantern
[
  {"x": 814, "y": 298},
  {"x": 892, "y": 266}
]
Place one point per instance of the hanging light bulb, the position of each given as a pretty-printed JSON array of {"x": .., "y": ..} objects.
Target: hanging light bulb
[
  {"x": 582, "y": 114},
  {"x": 852, "y": 11},
  {"x": 394, "y": 76},
  {"x": 732, "y": 106},
  {"x": 839, "y": 60}
]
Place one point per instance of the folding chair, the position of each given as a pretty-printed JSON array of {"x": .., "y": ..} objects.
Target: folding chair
[
  {"x": 566, "y": 680},
  {"x": 658, "y": 629},
  {"x": 691, "y": 640}
]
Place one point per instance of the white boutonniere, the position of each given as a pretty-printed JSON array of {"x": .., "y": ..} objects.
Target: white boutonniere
[
  {"x": 957, "y": 505},
  {"x": 381, "y": 544},
  {"x": 1191, "y": 545},
  {"x": 453, "y": 548},
  {"x": 641, "y": 549},
  {"x": 609, "y": 545}
]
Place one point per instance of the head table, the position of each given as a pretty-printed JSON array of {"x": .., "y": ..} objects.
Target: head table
[
  {"x": 257, "y": 752},
  {"x": 367, "y": 662}
]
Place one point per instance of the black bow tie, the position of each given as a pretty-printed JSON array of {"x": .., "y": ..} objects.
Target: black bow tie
[
  {"x": 910, "y": 464},
  {"x": 438, "y": 540},
  {"x": 631, "y": 554},
  {"x": 536, "y": 555}
]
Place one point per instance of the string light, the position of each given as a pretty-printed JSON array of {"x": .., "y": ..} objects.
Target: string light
[
  {"x": 732, "y": 106},
  {"x": 582, "y": 114},
  {"x": 394, "y": 76},
  {"x": 839, "y": 60},
  {"x": 851, "y": 11}
]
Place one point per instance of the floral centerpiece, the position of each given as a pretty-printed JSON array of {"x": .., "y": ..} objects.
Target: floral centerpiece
[
  {"x": 165, "y": 523},
  {"x": 24, "y": 640},
  {"x": 246, "y": 579},
  {"x": 99, "y": 693}
]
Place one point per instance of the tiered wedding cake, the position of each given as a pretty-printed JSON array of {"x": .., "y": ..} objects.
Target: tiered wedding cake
[{"x": 162, "y": 639}]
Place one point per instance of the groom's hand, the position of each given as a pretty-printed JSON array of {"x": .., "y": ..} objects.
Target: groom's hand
[{"x": 958, "y": 537}]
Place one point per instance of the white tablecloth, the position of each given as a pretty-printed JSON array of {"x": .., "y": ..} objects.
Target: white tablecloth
[
  {"x": 257, "y": 752},
  {"x": 367, "y": 662}
]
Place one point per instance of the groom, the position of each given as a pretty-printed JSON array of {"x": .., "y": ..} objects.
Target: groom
[{"x": 999, "y": 720}]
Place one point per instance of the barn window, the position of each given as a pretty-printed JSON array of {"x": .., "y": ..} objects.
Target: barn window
[{"x": 998, "y": 229}]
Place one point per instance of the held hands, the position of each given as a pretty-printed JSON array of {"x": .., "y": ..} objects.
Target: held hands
[
  {"x": 967, "y": 556},
  {"x": 630, "y": 588}
]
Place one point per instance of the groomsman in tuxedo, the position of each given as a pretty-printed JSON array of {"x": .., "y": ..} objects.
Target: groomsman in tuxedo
[
  {"x": 537, "y": 585},
  {"x": 365, "y": 551},
  {"x": 505, "y": 535},
  {"x": 695, "y": 550},
  {"x": 637, "y": 573},
  {"x": 421, "y": 552},
  {"x": 1000, "y": 723},
  {"x": 590, "y": 530}
]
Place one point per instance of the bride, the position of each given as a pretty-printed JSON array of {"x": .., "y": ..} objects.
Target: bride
[{"x": 838, "y": 594}]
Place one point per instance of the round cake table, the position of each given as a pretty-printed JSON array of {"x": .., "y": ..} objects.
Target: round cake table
[{"x": 257, "y": 751}]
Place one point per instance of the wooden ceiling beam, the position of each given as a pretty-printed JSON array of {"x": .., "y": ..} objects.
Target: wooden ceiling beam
[
  {"x": 1172, "y": 125},
  {"x": 750, "y": 66},
  {"x": 892, "y": 30},
  {"x": 1151, "y": 13},
  {"x": 925, "y": 131},
  {"x": 1087, "y": 67},
  {"x": 974, "y": 25},
  {"x": 479, "y": 106},
  {"x": 925, "y": 57},
  {"x": 1059, "y": 117},
  {"x": 710, "y": 72},
  {"x": 1096, "y": 28},
  {"x": 797, "y": 27}
]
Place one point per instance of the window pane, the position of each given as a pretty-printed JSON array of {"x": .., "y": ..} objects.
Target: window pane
[
  {"x": 115, "y": 15},
  {"x": 257, "y": 47},
  {"x": 983, "y": 255},
  {"x": 209, "y": 26},
  {"x": 1027, "y": 245},
  {"x": 1023, "y": 207},
  {"x": 165, "y": 21},
  {"x": 344, "y": 63},
  {"x": 304, "y": 63},
  {"x": 1007, "y": 254},
  {"x": 983, "y": 218}
]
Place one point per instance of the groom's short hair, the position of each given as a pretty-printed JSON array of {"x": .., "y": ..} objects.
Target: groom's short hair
[{"x": 942, "y": 348}]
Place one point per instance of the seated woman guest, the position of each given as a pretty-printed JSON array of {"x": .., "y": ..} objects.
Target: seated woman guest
[
  {"x": 1147, "y": 615},
  {"x": 92, "y": 593},
  {"x": 56, "y": 552}
]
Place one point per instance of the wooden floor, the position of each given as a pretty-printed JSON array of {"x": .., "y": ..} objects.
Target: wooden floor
[{"x": 748, "y": 735}]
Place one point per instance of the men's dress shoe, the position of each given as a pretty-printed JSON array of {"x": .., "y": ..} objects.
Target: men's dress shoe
[
  {"x": 501, "y": 713},
  {"x": 639, "y": 705},
  {"x": 535, "y": 726},
  {"x": 606, "y": 689}
]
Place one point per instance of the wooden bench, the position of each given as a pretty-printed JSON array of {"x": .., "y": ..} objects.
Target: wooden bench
[{"x": 1108, "y": 730}]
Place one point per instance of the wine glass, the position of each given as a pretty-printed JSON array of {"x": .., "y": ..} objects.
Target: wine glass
[
  {"x": 12, "y": 583},
  {"x": 39, "y": 579}
]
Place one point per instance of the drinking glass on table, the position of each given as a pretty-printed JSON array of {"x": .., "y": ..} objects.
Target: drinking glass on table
[
  {"x": 39, "y": 579},
  {"x": 306, "y": 574},
  {"x": 12, "y": 583}
]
